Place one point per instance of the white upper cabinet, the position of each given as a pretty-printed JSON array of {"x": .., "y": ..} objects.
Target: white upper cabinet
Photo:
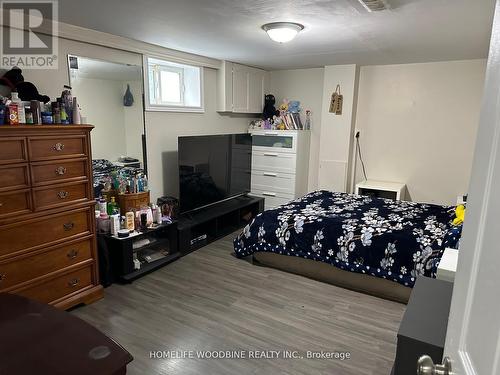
[{"x": 240, "y": 88}]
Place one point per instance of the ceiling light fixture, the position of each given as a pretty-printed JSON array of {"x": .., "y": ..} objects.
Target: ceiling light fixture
[{"x": 282, "y": 32}]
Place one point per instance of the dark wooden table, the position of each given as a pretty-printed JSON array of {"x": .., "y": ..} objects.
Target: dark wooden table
[{"x": 36, "y": 338}]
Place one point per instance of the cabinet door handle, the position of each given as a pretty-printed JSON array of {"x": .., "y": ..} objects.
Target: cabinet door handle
[
  {"x": 74, "y": 282},
  {"x": 268, "y": 174},
  {"x": 2, "y": 277},
  {"x": 63, "y": 194},
  {"x": 270, "y": 154},
  {"x": 58, "y": 146},
  {"x": 60, "y": 171},
  {"x": 73, "y": 254},
  {"x": 269, "y": 194},
  {"x": 69, "y": 226}
]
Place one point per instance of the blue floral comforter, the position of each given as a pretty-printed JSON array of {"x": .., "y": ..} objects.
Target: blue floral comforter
[{"x": 395, "y": 240}]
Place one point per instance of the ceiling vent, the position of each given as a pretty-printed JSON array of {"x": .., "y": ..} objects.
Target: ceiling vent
[{"x": 374, "y": 5}]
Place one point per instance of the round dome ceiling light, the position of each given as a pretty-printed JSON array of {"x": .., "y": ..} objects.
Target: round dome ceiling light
[{"x": 282, "y": 32}]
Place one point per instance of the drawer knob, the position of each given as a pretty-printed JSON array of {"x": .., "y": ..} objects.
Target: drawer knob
[
  {"x": 63, "y": 194},
  {"x": 1, "y": 204},
  {"x": 58, "y": 146},
  {"x": 73, "y": 254},
  {"x": 69, "y": 226},
  {"x": 60, "y": 171},
  {"x": 2, "y": 277},
  {"x": 73, "y": 282}
]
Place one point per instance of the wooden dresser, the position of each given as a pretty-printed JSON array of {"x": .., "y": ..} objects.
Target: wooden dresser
[{"x": 47, "y": 222}]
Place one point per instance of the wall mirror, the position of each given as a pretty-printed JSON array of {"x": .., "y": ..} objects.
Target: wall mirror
[{"x": 110, "y": 96}]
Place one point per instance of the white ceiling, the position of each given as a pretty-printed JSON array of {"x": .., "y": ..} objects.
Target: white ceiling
[{"x": 336, "y": 31}]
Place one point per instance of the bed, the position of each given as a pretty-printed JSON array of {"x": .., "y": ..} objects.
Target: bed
[{"x": 374, "y": 245}]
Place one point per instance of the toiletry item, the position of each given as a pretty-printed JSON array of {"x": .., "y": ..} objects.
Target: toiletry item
[
  {"x": 56, "y": 112},
  {"x": 112, "y": 207},
  {"x": 3, "y": 113},
  {"x": 144, "y": 221},
  {"x": 20, "y": 107},
  {"x": 115, "y": 224},
  {"x": 76, "y": 112},
  {"x": 13, "y": 114},
  {"x": 158, "y": 215},
  {"x": 28, "y": 115},
  {"x": 123, "y": 222},
  {"x": 47, "y": 118},
  {"x": 104, "y": 223},
  {"x": 36, "y": 112},
  {"x": 103, "y": 205},
  {"x": 130, "y": 221},
  {"x": 123, "y": 233}
]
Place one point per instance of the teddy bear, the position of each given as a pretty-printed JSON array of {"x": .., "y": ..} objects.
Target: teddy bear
[
  {"x": 294, "y": 106},
  {"x": 27, "y": 91},
  {"x": 269, "y": 108}
]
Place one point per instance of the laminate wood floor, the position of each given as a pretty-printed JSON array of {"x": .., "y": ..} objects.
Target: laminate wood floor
[{"x": 211, "y": 301}]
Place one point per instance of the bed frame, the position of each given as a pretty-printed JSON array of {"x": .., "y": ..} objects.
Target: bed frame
[{"x": 330, "y": 274}]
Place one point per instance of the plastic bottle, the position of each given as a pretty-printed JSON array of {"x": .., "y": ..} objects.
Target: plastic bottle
[
  {"x": 112, "y": 207},
  {"x": 20, "y": 107}
]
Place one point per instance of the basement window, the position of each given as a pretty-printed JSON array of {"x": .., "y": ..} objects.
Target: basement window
[{"x": 173, "y": 86}]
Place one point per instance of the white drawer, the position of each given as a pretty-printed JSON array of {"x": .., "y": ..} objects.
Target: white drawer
[
  {"x": 273, "y": 181},
  {"x": 275, "y": 140},
  {"x": 273, "y": 198},
  {"x": 273, "y": 161}
]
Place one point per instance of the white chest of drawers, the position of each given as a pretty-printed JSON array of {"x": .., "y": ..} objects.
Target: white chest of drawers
[{"x": 280, "y": 165}]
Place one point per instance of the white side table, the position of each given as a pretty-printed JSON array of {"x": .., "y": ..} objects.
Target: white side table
[
  {"x": 381, "y": 189},
  {"x": 448, "y": 265}
]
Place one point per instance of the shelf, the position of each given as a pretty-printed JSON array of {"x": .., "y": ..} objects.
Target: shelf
[{"x": 149, "y": 267}]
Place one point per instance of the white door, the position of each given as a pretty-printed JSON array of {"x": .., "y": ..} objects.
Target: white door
[{"x": 473, "y": 337}]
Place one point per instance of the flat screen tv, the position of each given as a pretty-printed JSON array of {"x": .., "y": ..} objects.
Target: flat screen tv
[{"x": 213, "y": 168}]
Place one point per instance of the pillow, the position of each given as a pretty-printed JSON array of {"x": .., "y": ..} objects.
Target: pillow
[{"x": 452, "y": 237}]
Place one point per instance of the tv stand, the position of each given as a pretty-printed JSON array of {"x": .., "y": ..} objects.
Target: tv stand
[{"x": 198, "y": 228}]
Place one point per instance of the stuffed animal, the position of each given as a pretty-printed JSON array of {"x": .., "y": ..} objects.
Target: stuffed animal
[
  {"x": 269, "y": 108},
  {"x": 27, "y": 90},
  {"x": 284, "y": 106},
  {"x": 294, "y": 106}
]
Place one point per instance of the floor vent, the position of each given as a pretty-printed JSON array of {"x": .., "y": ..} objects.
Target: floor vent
[{"x": 374, "y": 5}]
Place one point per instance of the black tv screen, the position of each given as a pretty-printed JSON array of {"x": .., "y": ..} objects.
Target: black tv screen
[{"x": 213, "y": 168}]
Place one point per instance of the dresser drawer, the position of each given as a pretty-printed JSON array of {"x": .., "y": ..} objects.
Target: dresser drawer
[
  {"x": 13, "y": 150},
  {"x": 59, "y": 195},
  {"x": 57, "y": 288},
  {"x": 275, "y": 141},
  {"x": 49, "y": 148},
  {"x": 274, "y": 181},
  {"x": 25, "y": 235},
  {"x": 273, "y": 161},
  {"x": 29, "y": 267},
  {"x": 273, "y": 198},
  {"x": 15, "y": 202},
  {"x": 14, "y": 177},
  {"x": 64, "y": 170}
]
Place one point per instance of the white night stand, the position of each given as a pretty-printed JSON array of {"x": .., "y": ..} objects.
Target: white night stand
[
  {"x": 381, "y": 189},
  {"x": 448, "y": 265}
]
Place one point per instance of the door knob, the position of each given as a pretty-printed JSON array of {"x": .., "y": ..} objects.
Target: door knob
[{"x": 426, "y": 366}]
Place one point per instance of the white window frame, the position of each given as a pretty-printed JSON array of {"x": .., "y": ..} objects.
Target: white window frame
[{"x": 166, "y": 106}]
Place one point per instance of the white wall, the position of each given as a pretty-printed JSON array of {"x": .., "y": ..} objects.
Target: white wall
[
  {"x": 305, "y": 85},
  {"x": 337, "y": 130},
  {"x": 418, "y": 125},
  {"x": 162, "y": 128}
]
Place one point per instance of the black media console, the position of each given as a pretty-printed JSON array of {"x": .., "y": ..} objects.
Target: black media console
[{"x": 198, "y": 228}]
